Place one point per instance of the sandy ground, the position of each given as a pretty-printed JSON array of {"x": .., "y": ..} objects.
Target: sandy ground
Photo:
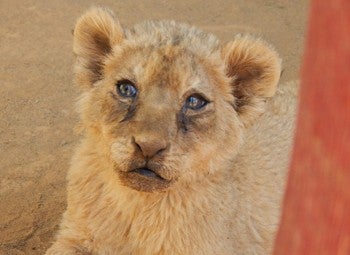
[{"x": 37, "y": 96}]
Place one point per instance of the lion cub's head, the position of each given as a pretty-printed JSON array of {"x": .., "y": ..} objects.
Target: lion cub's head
[{"x": 165, "y": 103}]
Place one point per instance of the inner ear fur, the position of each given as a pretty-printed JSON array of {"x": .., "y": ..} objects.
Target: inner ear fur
[
  {"x": 254, "y": 69},
  {"x": 95, "y": 34}
]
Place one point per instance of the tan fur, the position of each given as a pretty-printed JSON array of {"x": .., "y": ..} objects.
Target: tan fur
[{"x": 222, "y": 168}]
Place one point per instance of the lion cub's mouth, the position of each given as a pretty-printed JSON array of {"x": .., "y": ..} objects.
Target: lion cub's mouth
[
  {"x": 144, "y": 179},
  {"x": 146, "y": 172}
]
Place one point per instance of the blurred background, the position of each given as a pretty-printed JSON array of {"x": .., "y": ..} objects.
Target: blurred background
[{"x": 37, "y": 96}]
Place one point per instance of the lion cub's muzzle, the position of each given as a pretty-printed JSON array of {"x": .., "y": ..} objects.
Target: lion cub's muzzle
[{"x": 146, "y": 173}]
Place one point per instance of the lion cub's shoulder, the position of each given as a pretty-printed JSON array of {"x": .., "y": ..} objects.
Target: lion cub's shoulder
[{"x": 265, "y": 155}]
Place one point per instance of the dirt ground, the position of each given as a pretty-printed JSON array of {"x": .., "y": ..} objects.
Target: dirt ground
[{"x": 37, "y": 96}]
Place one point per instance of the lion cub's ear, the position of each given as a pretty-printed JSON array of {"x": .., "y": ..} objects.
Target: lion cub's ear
[
  {"x": 95, "y": 34},
  {"x": 254, "y": 69}
]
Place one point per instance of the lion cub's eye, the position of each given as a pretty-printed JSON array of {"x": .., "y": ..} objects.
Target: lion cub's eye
[
  {"x": 195, "y": 102},
  {"x": 126, "y": 88}
]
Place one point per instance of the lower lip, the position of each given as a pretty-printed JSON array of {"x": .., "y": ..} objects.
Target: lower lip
[{"x": 147, "y": 173}]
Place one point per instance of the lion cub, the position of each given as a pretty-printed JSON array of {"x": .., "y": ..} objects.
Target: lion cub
[{"x": 171, "y": 162}]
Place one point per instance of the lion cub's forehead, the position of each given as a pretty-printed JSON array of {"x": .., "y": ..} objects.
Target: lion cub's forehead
[{"x": 170, "y": 67}]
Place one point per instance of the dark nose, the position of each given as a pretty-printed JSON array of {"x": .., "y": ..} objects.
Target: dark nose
[{"x": 150, "y": 146}]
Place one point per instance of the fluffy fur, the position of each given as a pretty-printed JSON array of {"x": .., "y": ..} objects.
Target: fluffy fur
[{"x": 220, "y": 169}]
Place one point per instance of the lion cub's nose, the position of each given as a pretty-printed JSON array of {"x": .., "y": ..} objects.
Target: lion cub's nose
[{"x": 150, "y": 146}]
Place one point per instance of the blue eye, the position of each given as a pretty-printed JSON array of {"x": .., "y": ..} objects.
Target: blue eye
[
  {"x": 195, "y": 102},
  {"x": 126, "y": 88}
]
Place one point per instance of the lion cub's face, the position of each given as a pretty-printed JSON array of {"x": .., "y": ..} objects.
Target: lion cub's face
[{"x": 166, "y": 102}]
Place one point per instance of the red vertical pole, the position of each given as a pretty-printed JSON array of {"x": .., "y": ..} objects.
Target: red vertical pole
[{"x": 316, "y": 213}]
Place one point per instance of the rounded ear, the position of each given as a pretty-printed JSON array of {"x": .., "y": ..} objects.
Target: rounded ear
[
  {"x": 254, "y": 69},
  {"x": 95, "y": 34}
]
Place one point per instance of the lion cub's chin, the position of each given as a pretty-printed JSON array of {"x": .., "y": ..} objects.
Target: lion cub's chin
[{"x": 144, "y": 179}]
